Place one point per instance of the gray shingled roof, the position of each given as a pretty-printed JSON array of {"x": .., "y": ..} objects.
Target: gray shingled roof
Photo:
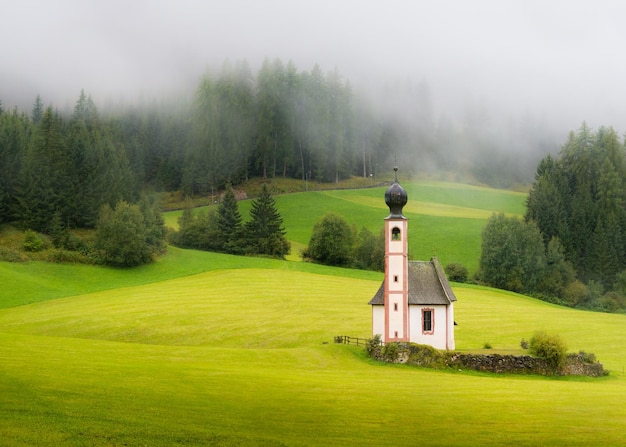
[{"x": 427, "y": 285}]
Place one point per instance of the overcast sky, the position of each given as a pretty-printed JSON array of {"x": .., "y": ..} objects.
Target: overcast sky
[{"x": 560, "y": 60}]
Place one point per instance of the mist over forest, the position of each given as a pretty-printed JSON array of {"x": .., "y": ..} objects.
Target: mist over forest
[
  {"x": 282, "y": 121},
  {"x": 480, "y": 91}
]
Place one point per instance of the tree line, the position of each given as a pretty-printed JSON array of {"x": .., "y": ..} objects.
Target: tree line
[
  {"x": 65, "y": 166},
  {"x": 279, "y": 122},
  {"x": 571, "y": 244}
]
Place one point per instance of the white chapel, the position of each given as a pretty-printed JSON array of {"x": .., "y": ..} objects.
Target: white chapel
[{"x": 415, "y": 302}]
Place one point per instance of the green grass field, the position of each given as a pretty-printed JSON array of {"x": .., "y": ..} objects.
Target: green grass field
[
  {"x": 209, "y": 349},
  {"x": 445, "y": 219}
]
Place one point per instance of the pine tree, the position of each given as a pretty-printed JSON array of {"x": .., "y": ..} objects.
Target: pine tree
[
  {"x": 265, "y": 234},
  {"x": 229, "y": 228},
  {"x": 155, "y": 224},
  {"x": 45, "y": 174},
  {"x": 15, "y": 132},
  {"x": 38, "y": 110}
]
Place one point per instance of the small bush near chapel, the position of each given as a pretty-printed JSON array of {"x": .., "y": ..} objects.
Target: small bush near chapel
[
  {"x": 374, "y": 346},
  {"x": 549, "y": 347}
]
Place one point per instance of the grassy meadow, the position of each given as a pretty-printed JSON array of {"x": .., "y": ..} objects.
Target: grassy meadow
[
  {"x": 445, "y": 219},
  {"x": 210, "y": 349}
]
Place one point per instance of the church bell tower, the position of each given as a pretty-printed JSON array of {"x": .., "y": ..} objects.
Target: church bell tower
[{"x": 396, "y": 302}]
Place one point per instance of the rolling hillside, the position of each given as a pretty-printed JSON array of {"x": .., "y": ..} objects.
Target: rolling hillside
[
  {"x": 245, "y": 357},
  {"x": 210, "y": 349}
]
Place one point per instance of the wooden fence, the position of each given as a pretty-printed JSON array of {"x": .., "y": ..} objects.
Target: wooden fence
[{"x": 347, "y": 340}]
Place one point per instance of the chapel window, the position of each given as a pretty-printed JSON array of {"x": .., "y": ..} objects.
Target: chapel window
[
  {"x": 395, "y": 234},
  {"x": 427, "y": 321}
]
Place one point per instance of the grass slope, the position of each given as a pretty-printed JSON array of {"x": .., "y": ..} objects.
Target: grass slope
[
  {"x": 208, "y": 349},
  {"x": 32, "y": 282},
  {"x": 237, "y": 356},
  {"x": 445, "y": 219}
]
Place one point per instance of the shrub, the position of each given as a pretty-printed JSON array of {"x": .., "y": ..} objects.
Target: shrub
[
  {"x": 549, "y": 347},
  {"x": 610, "y": 302},
  {"x": 332, "y": 241},
  {"x": 426, "y": 355},
  {"x": 391, "y": 352},
  {"x": 575, "y": 293},
  {"x": 121, "y": 236},
  {"x": 369, "y": 252},
  {"x": 456, "y": 272},
  {"x": 32, "y": 242},
  {"x": 587, "y": 357},
  {"x": 523, "y": 344},
  {"x": 10, "y": 255},
  {"x": 487, "y": 345},
  {"x": 374, "y": 346},
  {"x": 62, "y": 256}
]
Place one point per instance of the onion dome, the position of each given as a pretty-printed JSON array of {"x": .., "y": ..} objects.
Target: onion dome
[{"x": 396, "y": 197}]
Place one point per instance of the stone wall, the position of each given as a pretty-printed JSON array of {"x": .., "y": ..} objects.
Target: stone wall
[
  {"x": 497, "y": 363},
  {"x": 575, "y": 365},
  {"x": 580, "y": 364}
]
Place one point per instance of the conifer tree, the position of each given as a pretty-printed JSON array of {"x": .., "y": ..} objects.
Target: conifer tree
[
  {"x": 229, "y": 228},
  {"x": 45, "y": 174},
  {"x": 155, "y": 224},
  {"x": 580, "y": 199},
  {"x": 265, "y": 234},
  {"x": 15, "y": 132},
  {"x": 37, "y": 110}
]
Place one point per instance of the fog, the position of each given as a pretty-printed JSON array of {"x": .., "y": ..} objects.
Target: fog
[{"x": 558, "y": 61}]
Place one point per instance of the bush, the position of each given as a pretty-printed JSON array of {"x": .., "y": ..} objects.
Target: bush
[
  {"x": 369, "y": 252},
  {"x": 32, "y": 242},
  {"x": 456, "y": 272},
  {"x": 587, "y": 357},
  {"x": 10, "y": 255},
  {"x": 549, "y": 347},
  {"x": 62, "y": 256},
  {"x": 391, "y": 352},
  {"x": 374, "y": 346},
  {"x": 575, "y": 293},
  {"x": 332, "y": 241},
  {"x": 121, "y": 237},
  {"x": 426, "y": 355},
  {"x": 610, "y": 302}
]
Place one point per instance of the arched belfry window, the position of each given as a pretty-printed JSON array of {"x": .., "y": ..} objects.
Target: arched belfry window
[{"x": 395, "y": 234}]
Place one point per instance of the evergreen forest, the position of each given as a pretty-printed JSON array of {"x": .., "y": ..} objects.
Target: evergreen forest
[
  {"x": 571, "y": 245},
  {"x": 279, "y": 122}
]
